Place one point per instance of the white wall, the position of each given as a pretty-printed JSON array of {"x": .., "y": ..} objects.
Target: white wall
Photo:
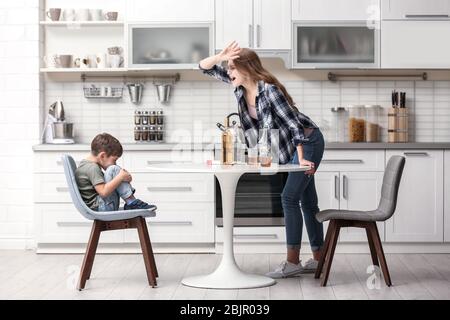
[{"x": 19, "y": 118}]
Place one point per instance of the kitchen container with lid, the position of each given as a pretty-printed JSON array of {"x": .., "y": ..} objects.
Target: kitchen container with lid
[
  {"x": 339, "y": 119},
  {"x": 372, "y": 123},
  {"x": 356, "y": 123}
]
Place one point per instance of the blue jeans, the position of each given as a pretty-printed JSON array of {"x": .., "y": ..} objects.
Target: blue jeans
[
  {"x": 124, "y": 191},
  {"x": 299, "y": 195}
]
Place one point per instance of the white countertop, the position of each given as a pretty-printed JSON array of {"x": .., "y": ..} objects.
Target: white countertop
[{"x": 220, "y": 168}]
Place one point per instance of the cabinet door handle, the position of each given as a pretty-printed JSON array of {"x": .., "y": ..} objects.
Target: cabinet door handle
[
  {"x": 170, "y": 223},
  {"x": 172, "y": 189},
  {"x": 342, "y": 161},
  {"x": 345, "y": 187},
  {"x": 416, "y": 154},
  {"x": 256, "y": 236},
  {"x": 336, "y": 187},
  {"x": 250, "y": 35},
  {"x": 258, "y": 35},
  {"x": 427, "y": 16},
  {"x": 62, "y": 189}
]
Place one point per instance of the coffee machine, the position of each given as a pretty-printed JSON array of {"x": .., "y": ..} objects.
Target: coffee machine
[{"x": 56, "y": 129}]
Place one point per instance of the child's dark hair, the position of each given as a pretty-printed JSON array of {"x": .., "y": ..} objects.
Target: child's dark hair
[{"x": 104, "y": 142}]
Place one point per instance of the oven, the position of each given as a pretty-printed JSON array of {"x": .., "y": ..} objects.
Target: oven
[{"x": 257, "y": 201}]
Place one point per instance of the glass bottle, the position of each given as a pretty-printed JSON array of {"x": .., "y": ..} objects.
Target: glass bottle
[
  {"x": 265, "y": 157},
  {"x": 356, "y": 123},
  {"x": 372, "y": 123},
  {"x": 338, "y": 123}
]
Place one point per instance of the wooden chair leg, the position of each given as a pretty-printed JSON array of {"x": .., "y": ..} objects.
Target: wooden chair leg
[
  {"x": 152, "y": 256},
  {"x": 325, "y": 249},
  {"x": 373, "y": 251},
  {"x": 89, "y": 256},
  {"x": 380, "y": 253},
  {"x": 146, "y": 251},
  {"x": 330, "y": 253}
]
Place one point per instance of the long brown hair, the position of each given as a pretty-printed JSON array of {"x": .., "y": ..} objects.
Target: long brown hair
[{"x": 250, "y": 64}]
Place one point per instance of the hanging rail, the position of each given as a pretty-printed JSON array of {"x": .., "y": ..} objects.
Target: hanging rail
[
  {"x": 334, "y": 76},
  {"x": 174, "y": 78}
]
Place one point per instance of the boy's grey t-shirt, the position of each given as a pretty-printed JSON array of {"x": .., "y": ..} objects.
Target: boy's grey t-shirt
[{"x": 88, "y": 175}]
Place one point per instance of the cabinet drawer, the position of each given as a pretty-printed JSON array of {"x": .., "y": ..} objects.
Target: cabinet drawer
[
  {"x": 142, "y": 161},
  {"x": 178, "y": 222},
  {"x": 62, "y": 223},
  {"x": 51, "y": 187},
  {"x": 254, "y": 235},
  {"x": 346, "y": 160},
  {"x": 167, "y": 187}
]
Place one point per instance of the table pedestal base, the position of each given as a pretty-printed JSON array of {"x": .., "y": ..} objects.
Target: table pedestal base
[{"x": 229, "y": 277}]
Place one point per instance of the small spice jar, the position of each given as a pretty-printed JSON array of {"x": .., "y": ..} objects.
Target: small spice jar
[
  {"x": 137, "y": 133},
  {"x": 160, "y": 117},
  {"x": 137, "y": 117},
  {"x": 152, "y": 117},
  {"x": 145, "y": 118},
  {"x": 159, "y": 133},
  {"x": 152, "y": 133},
  {"x": 144, "y": 134}
]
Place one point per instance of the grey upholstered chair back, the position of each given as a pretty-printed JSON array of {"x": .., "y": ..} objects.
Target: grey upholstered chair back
[
  {"x": 389, "y": 189},
  {"x": 69, "y": 170}
]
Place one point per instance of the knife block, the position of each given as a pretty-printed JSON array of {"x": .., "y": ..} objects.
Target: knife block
[{"x": 398, "y": 125}]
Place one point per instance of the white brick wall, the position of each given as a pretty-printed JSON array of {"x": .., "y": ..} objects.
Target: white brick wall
[{"x": 19, "y": 118}]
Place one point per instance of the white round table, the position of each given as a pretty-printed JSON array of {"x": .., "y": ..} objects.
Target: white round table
[{"x": 227, "y": 275}]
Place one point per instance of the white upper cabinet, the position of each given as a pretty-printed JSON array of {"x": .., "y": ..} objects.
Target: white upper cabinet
[
  {"x": 257, "y": 24},
  {"x": 415, "y": 9},
  {"x": 309, "y": 10},
  {"x": 234, "y": 21},
  {"x": 419, "y": 213},
  {"x": 170, "y": 11},
  {"x": 415, "y": 44}
]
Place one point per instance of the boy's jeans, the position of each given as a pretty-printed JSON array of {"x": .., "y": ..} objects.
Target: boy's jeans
[
  {"x": 124, "y": 191},
  {"x": 300, "y": 193}
]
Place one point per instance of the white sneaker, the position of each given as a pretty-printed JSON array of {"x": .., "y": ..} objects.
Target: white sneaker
[
  {"x": 285, "y": 269},
  {"x": 310, "y": 266}
]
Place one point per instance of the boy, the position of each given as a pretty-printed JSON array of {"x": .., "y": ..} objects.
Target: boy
[{"x": 102, "y": 192}]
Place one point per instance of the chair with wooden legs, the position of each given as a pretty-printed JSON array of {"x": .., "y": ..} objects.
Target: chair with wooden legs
[
  {"x": 363, "y": 219},
  {"x": 106, "y": 221}
]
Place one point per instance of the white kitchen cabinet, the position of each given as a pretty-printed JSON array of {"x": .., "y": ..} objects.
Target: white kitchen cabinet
[
  {"x": 170, "y": 11},
  {"x": 257, "y": 24},
  {"x": 415, "y": 9},
  {"x": 360, "y": 191},
  {"x": 447, "y": 197},
  {"x": 337, "y": 10},
  {"x": 419, "y": 213},
  {"x": 415, "y": 44}
]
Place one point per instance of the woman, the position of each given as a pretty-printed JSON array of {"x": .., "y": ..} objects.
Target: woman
[{"x": 264, "y": 101}]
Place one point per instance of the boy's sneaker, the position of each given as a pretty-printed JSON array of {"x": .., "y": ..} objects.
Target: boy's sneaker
[
  {"x": 138, "y": 204},
  {"x": 310, "y": 266},
  {"x": 286, "y": 269}
]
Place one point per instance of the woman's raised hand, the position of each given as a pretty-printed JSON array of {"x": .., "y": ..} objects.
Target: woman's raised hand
[{"x": 230, "y": 52}]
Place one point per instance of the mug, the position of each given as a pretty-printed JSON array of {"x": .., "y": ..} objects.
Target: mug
[
  {"x": 82, "y": 14},
  {"x": 92, "y": 61},
  {"x": 96, "y": 14},
  {"x": 101, "y": 60},
  {"x": 54, "y": 14},
  {"x": 111, "y": 16},
  {"x": 69, "y": 15},
  {"x": 82, "y": 63},
  {"x": 115, "y": 50},
  {"x": 62, "y": 60},
  {"x": 115, "y": 60}
]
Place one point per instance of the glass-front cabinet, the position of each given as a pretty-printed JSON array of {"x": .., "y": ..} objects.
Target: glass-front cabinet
[
  {"x": 336, "y": 45},
  {"x": 169, "y": 46}
]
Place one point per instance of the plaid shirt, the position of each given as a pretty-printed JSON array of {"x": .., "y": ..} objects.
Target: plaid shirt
[{"x": 273, "y": 111}]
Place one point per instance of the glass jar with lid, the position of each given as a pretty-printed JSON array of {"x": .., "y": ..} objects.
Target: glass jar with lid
[
  {"x": 356, "y": 123},
  {"x": 339, "y": 120},
  {"x": 372, "y": 123}
]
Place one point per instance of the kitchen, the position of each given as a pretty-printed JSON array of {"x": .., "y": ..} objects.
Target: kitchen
[{"x": 89, "y": 67}]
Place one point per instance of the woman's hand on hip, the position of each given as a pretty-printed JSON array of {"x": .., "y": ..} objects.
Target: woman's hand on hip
[
  {"x": 230, "y": 52},
  {"x": 304, "y": 162}
]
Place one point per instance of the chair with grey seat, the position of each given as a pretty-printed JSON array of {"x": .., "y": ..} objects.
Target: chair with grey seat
[
  {"x": 105, "y": 221},
  {"x": 363, "y": 219}
]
